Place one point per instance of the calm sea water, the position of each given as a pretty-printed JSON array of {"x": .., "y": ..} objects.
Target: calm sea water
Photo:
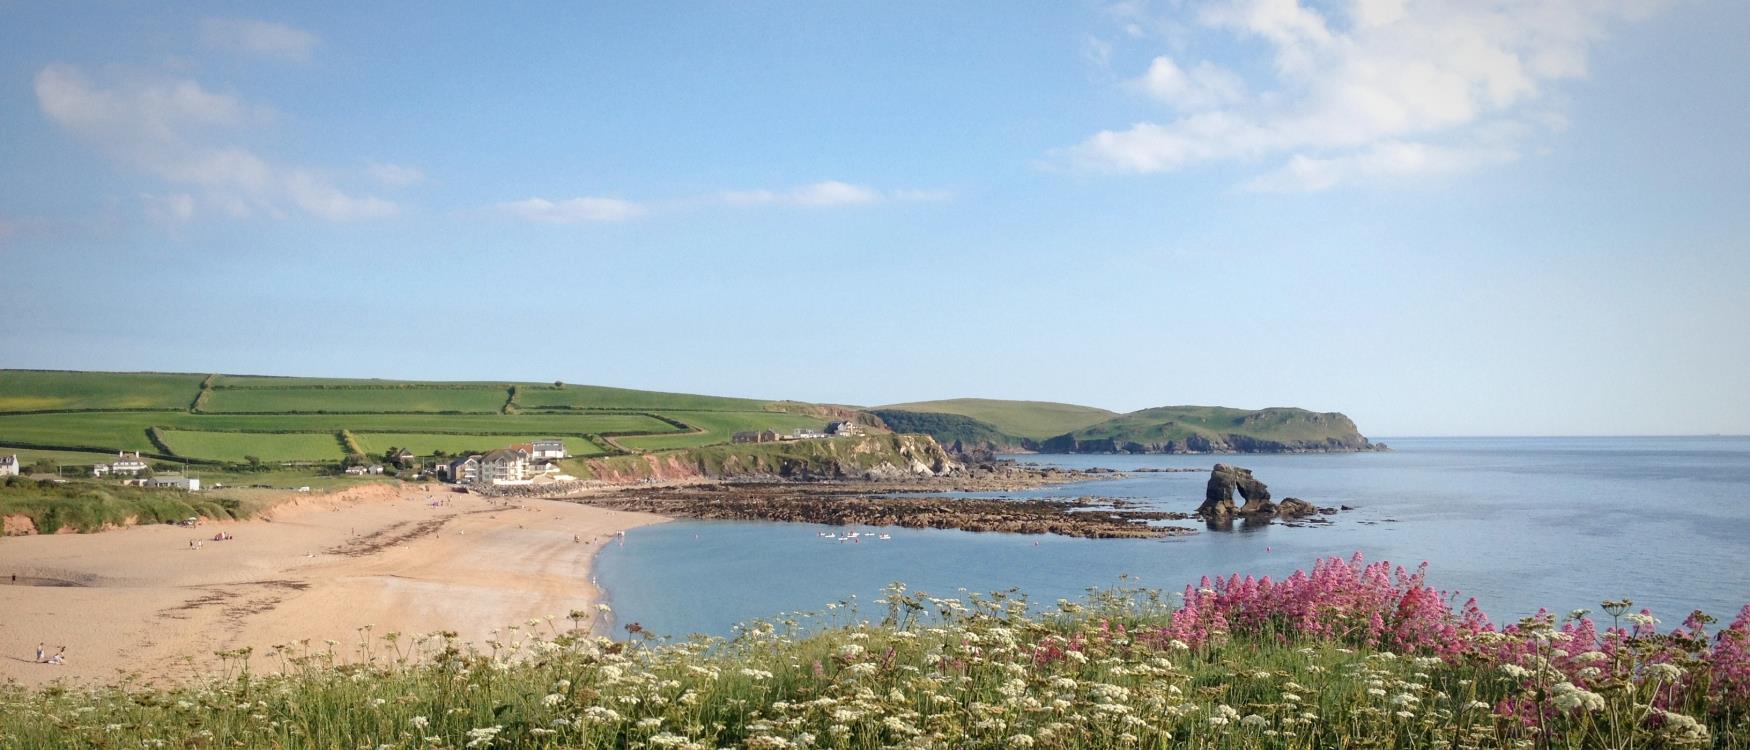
[{"x": 1519, "y": 523}]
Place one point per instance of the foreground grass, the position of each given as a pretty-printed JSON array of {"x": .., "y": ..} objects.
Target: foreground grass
[
  {"x": 90, "y": 506},
  {"x": 981, "y": 672}
]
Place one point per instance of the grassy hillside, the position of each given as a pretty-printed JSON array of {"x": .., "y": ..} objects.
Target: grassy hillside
[
  {"x": 820, "y": 459},
  {"x": 1167, "y": 429},
  {"x": 949, "y": 429},
  {"x": 44, "y": 390},
  {"x": 1023, "y": 419},
  {"x": 1182, "y": 429},
  {"x": 223, "y": 418}
]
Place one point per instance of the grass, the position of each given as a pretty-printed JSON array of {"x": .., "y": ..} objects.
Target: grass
[
  {"x": 127, "y": 430},
  {"x": 344, "y": 400},
  {"x": 1177, "y": 422},
  {"x": 596, "y": 397},
  {"x": 376, "y": 443},
  {"x": 922, "y": 671},
  {"x": 1027, "y": 419},
  {"x": 28, "y": 456},
  {"x": 39, "y": 390},
  {"x": 719, "y": 427},
  {"x": 89, "y": 506},
  {"x": 269, "y": 447}
]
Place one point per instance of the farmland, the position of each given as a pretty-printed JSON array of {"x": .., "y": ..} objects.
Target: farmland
[
  {"x": 79, "y": 416},
  {"x": 355, "y": 400},
  {"x": 235, "y": 447}
]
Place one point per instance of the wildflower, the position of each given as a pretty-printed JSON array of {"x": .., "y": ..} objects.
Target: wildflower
[
  {"x": 649, "y": 723},
  {"x": 1571, "y": 698},
  {"x": 1664, "y": 672},
  {"x": 1254, "y": 721},
  {"x": 552, "y": 699},
  {"x": 483, "y": 736},
  {"x": 1020, "y": 740},
  {"x": 419, "y": 722}
]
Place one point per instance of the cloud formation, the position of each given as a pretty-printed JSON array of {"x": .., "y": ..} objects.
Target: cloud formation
[
  {"x": 1366, "y": 91},
  {"x": 824, "y": 194},
  {"x": 267, "y": 39},
  {"x": 395, "y": 175},
  {"x": 573, "y": 210},
  {"x": 175, "y": 130}
]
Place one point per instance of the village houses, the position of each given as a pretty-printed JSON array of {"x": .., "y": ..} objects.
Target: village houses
[{"x": 125, "y": 465}]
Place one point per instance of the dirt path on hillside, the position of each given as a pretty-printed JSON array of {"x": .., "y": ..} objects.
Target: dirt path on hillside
[{"x": 317, "y": 567}]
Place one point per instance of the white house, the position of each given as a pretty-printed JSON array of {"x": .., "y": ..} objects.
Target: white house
[
  {"x": 9, "y": 466},
  {"x": 175, "y": 481},
  {"x": 125, "y": 464},
  {"x": 505, "y": 466},
  {"x": 547, "y": 450},
  {"x": 844, "y": 429}
]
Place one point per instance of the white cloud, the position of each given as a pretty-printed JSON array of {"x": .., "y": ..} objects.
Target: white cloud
[
  {"x": 175, "y": 130},
  {"x": 176, "y": 208},
  {"x": 261, "y": 38},
  {"x": 1205, "y": 86},
  {"x": 574, "y": 210},
  {"x": 1374, "y": 87},
  {"x": 827, "y": 193},
  {"x": 395, "y": 175},
  {"x": 1380, "y": 163}
]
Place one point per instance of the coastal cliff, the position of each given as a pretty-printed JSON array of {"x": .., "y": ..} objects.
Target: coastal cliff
[{"x": 873, "y": 457}]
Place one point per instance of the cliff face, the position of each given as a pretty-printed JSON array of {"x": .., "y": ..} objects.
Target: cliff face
[{"x": 875, "y": 457}]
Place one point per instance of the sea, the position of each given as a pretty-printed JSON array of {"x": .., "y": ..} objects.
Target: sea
[{"x": 1521, "y": 524}]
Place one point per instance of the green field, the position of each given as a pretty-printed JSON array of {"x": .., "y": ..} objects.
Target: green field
[
  {"x": 719, "y": 426},
  {"x": 599, "y": 397},
  {"x": 84, "y": 414},
  {"x": 1178, "y": 422},
  {"x": 1027, "y": 419},
  {"x": 424, "y": 444},
  {"x": 37, "y": 390},
  {"x": 342, "y": 400},
  {"x": 235, "y": 446},
  {"x": 28, "y": 456}
]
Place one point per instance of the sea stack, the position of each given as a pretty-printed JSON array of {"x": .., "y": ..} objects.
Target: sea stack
[{"x": 1218, "y": 496}]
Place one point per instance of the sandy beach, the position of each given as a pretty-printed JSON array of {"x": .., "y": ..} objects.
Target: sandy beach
[{"x": 141, "y": 600}]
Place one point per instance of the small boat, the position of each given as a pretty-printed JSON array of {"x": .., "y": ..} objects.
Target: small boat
[{"x": 885, "y": 537}]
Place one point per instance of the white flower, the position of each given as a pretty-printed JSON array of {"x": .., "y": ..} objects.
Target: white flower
[
  {"x": 552, "y": 699},
  {"x": 483, "y": 736},
  {"x": 1664, "y": 672},
  {"x": 1571, "y": 698},
  {"x": 1254, "y": 721},
  {"x": 419, "y": 722}
]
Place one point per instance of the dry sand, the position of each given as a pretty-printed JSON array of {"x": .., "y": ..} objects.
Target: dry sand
[{"x": 316, "y": 567}]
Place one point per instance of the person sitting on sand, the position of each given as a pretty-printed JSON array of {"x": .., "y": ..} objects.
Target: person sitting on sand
[{"x": 60, "y": 657}]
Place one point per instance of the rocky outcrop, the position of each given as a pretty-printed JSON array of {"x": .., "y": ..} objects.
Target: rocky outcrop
[
  {"x": 1294, "y": 507},
  {"x": 1224, "y": 482}
]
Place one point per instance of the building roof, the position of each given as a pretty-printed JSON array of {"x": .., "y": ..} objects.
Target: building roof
[{"x": 505, "y": 454}]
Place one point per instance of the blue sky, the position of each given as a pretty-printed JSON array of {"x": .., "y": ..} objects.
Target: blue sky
[{"x": 1501, "y": 217}]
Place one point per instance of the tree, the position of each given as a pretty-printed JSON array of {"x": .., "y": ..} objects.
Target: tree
[
  {"x": 253, "y": 461},
  {"x": 558, "y": 384},
  {"x": 44, "y": 466}
]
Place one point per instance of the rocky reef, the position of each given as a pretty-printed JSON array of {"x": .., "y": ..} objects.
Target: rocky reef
[{"x": 862, "y": 505}]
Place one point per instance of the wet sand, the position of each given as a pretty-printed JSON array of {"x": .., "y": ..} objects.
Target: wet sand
[{"x": 139, "y": 600}]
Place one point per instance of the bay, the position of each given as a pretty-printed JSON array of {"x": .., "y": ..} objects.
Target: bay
[{"x": 1518, "y": 523}]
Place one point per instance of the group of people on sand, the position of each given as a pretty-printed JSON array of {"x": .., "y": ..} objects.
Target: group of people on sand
[
  {"x": 58, "y": 659},
  {"x": 219, "y": 537}
]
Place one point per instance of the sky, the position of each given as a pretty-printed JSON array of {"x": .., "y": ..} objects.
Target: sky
[{"x": 1464, "y": 217}]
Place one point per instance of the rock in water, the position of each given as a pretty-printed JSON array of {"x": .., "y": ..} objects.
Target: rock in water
[
  {"x": 1224, "y": 481},
  {"x": 1294, "y": 507}
]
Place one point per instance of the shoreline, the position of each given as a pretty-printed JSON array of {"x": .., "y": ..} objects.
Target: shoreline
[{"x": 313, "y": 568}]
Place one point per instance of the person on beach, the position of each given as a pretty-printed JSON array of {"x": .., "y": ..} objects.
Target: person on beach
[
  {"x": 39, "y": 653},
  {"x": 60, "y": 657}
]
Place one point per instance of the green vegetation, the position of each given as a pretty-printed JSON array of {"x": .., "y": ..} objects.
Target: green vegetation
[
  {"x": 546, "y": 396},
  {"x": 949, "y": 429},
  {"x": 356, "y": 400},
  {"x": 226, "y": 418},
  {"x": 978, "y": 672},
  {"x": 46, "y": 390},
  {"x": 425, "y": 444},
  {"x": 1203, "y": 428},
  {"x": 1166, "y": 429},
  {"x": 1023, "y": 419},
  {"x": 88, "y": 506},
  {"x": 718, "y": 427},
  {"x": 236, "y": 447}
]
